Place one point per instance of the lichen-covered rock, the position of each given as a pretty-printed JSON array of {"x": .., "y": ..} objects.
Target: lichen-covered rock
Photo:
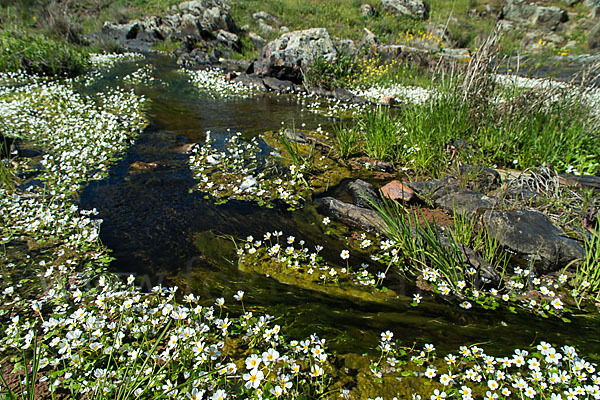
[
  {"x": 525, "y": 13},
  {"x": 287, "y": 57},
  {"x": 416, "y": 9}
]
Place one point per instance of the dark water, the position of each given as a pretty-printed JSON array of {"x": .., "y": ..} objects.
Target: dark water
[{"x": 163, "y": 233}]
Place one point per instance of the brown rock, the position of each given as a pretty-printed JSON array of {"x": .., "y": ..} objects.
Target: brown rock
[
  {"x": 388, "y": 101},
  {"x": 396, "y": 190}
]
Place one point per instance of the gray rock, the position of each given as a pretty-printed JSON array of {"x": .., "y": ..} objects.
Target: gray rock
[
  {"x": 485, "y": 178},
  {"x": 530, "y": 234},
  {"x": 198, "y": 20},
  {"x": 363, "y": 193},
  {"x": 266, "y": 28},
  {"x": 265, "y": 16},
  {"x": 525, "y": 13},
  {"x": 435, "y": 189},
  {"x": 593, "y": 39},
  {"x": 416, "y": 9},
  {"x": 351, "y": 214},
  {"x": 467, "y": 202},
  {"x": 367, "y": 10},
  {"x": 285, "y": 58},
  {"x": 251, "y": 80},
  {"x": 370, "y": 38},
  {"x": 284, "y": 29},
  {"x": 278, "y": 85},
  {"x": 228, "y": 39},
  {"x": 257, "y": 40},
  {"x": 295, "y": 136}
]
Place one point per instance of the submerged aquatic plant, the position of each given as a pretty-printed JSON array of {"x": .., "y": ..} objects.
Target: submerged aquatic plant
[{"x": 240, "y": 171}]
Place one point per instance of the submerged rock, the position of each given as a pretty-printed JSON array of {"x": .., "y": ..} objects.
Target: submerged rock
[{"x": 531, "y": 234}]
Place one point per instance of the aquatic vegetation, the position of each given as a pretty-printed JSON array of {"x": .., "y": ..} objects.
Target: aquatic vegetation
[
  {"x": 139, "y": 76},
  {"x": 109, "y": 60},
  {"x": 540, "y": 372},
  {"x": 212, "y": 83},
  {"x": 241, "y": 171},
  {"x": 292, "y": 261}
]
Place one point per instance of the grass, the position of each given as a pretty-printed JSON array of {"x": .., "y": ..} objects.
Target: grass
[
  {"x": 420, "y": 244},
  {"x": 472, "y": 119},
  {"x": 587, "y": 276}
]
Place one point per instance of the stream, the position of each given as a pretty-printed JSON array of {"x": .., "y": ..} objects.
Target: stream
[{"x": 165, "y": 233}]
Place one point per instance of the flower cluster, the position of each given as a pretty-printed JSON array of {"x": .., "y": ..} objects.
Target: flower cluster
[
  {"x": 542, "y": 372},
  {"x": 241, "y": 171},
  {"x": 212, "y": 83},
  {"x": 108, "y": 60}
]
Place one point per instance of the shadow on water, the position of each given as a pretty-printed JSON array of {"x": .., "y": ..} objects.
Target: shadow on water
[{"x": 163, "y": 232}]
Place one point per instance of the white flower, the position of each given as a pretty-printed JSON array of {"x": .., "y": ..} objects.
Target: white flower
[
  {"x": 345, "y": 254},
  {"x": 253, "y": 378}
]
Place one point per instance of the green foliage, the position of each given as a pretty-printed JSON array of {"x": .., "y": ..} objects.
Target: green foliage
[
  {"x": 36, "y": 53},
  {"x": 587, "y": 277},
  {"x": 330, "y": 75}
]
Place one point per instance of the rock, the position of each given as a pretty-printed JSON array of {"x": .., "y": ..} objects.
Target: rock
[
  {"x": 395, "y": 190},
  {"x": 485, "y": 272},
  {"x": 264, "y": 27},
  {"x": 388, "y": 101},
  {"x": 228, "y": 39},
  {"x": 349, "y": 213},
  {"x": 583, "y": 181},
  {"x": 530, "y": 234},
  {"x": 265, "y": 16},
  {"x": 285, "y": 58},
  {"x": 344, "y": 95},
  {"x": 466, "y": 202},
  {"x": 257, "y": 40},
  {"x": 435, "y": 189},
  {"x": 278, "y": 85},
  {"x": 416, "y": 9},
  {"x": 479, "y": 178},
  {"x": 363, "y": 194},
  {"x": 199, "y": 20},
  {"x": 367, "y": 10},
  {"x": 284, "y": 29},
  {"x": 525, "y": 13},
  {"x": 189, "y": 27},
  {"x": 370, "y": 38},
  {"x": 593, "y": 39},
  {"x": 295, "y": 136},
  {"x": 251, "y": 80}
]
